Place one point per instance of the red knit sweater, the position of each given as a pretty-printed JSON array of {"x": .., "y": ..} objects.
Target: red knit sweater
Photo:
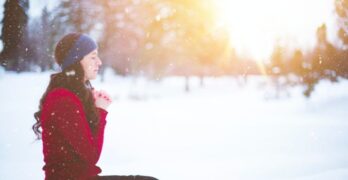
[{"x": 70, "y": 149}]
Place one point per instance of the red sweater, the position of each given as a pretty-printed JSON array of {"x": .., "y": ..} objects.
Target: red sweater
[{"x": 70, "y": 149}]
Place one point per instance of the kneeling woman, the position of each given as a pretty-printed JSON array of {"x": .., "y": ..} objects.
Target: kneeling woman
[{"x": 72, "y": 115}]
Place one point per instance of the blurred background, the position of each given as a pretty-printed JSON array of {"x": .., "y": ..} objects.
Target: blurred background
[
  {"x": 300, "y": 42},
  {"x": 202, "y": 89}
]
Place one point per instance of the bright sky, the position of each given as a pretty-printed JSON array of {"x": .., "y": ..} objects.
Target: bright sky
[
  {"x": 36, "y": 6},
  {"x": 255, "y": 25}
]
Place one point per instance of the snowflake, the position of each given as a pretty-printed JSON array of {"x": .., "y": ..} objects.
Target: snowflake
[{"x": 70, "y": 73}]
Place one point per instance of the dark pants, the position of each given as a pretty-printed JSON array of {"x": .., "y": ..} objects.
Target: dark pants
[{"x": 137, "y": 177}]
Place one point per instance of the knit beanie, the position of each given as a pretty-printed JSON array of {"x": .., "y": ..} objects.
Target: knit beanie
[{"x": 83, "y": 46}]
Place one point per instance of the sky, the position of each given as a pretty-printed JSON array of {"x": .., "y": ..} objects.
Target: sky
[
  {"x": 255, "y": 26},
  {"x": 35, "y": 7}
]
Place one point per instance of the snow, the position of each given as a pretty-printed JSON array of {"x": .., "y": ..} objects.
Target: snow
[{"x": 222, "y": 131}]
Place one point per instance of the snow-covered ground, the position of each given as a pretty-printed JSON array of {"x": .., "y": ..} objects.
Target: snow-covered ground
[{"x": 222, "y": 131}]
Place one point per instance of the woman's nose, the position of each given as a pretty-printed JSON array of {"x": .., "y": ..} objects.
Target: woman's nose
[{"x": 99, "y": 62}]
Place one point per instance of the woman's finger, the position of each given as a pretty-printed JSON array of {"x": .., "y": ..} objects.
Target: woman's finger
[{"x": 104, "y": 92}]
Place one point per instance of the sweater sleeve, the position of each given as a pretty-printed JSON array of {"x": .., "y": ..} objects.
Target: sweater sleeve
[
  {"x": 72, "y": 124},
  {"x": 98, "y": 137}
]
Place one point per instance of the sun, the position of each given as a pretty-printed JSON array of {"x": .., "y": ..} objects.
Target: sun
[{"x": 255, "y": 26}]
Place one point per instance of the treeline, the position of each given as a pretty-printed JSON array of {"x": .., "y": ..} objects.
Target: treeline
[{"x": 158, "y": 38}]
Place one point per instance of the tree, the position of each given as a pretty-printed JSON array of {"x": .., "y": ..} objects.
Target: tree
[
  {"x": 42, "y": 34},
  {"x": 14, "y": 35},
  {"x": 122, "y": 33},
  {"x": 342, "y": 12},
  {"x": 323, "y": 64},
  {"x": 325, "y": 57},
  {"x": 276, "y": 66},
  {"x": 296, "y": 63},
  {"x": 75, "y": 16},
  {"x": 179, "y": 28}
]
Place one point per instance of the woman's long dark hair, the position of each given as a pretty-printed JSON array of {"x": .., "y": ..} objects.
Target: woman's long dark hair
[{"x": 71, "y": 78}]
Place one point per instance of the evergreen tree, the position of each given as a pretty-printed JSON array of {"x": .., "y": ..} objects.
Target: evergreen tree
[
  {"x": 342, "y": 12},
  {"x": 325, "y": 56},
  {"x": 297, "y": 62},
  {"x": 75, "y": 16},
  {"x": 323, "y": 64},
  {"x": 14, "y": 35},
  {"x": 277, "y": 61},
  {"x": 43, "y": 35}
]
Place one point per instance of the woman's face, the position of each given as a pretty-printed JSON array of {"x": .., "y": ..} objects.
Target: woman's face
[{"x": 90, "y": 64}]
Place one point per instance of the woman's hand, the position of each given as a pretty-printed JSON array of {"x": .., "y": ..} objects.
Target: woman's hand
[{"x": 102, "y": 99}]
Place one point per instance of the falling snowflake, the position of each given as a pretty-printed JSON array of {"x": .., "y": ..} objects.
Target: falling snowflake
[{"x": 70, "y": 73}]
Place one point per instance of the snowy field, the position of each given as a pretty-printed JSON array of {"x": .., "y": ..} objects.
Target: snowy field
[{"x": 223, "y": 131}]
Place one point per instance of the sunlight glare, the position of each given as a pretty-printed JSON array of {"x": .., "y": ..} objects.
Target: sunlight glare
[{"x": 255, "y": 26}]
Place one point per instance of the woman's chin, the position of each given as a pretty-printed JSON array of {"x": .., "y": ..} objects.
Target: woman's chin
[{"x": 92, "y": 78}]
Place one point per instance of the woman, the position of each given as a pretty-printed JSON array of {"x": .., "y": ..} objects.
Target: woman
[{"x": 72, "y": 115}]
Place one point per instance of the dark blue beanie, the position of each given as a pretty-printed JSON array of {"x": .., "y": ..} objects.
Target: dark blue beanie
[{"x": 83, "y": 46}]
